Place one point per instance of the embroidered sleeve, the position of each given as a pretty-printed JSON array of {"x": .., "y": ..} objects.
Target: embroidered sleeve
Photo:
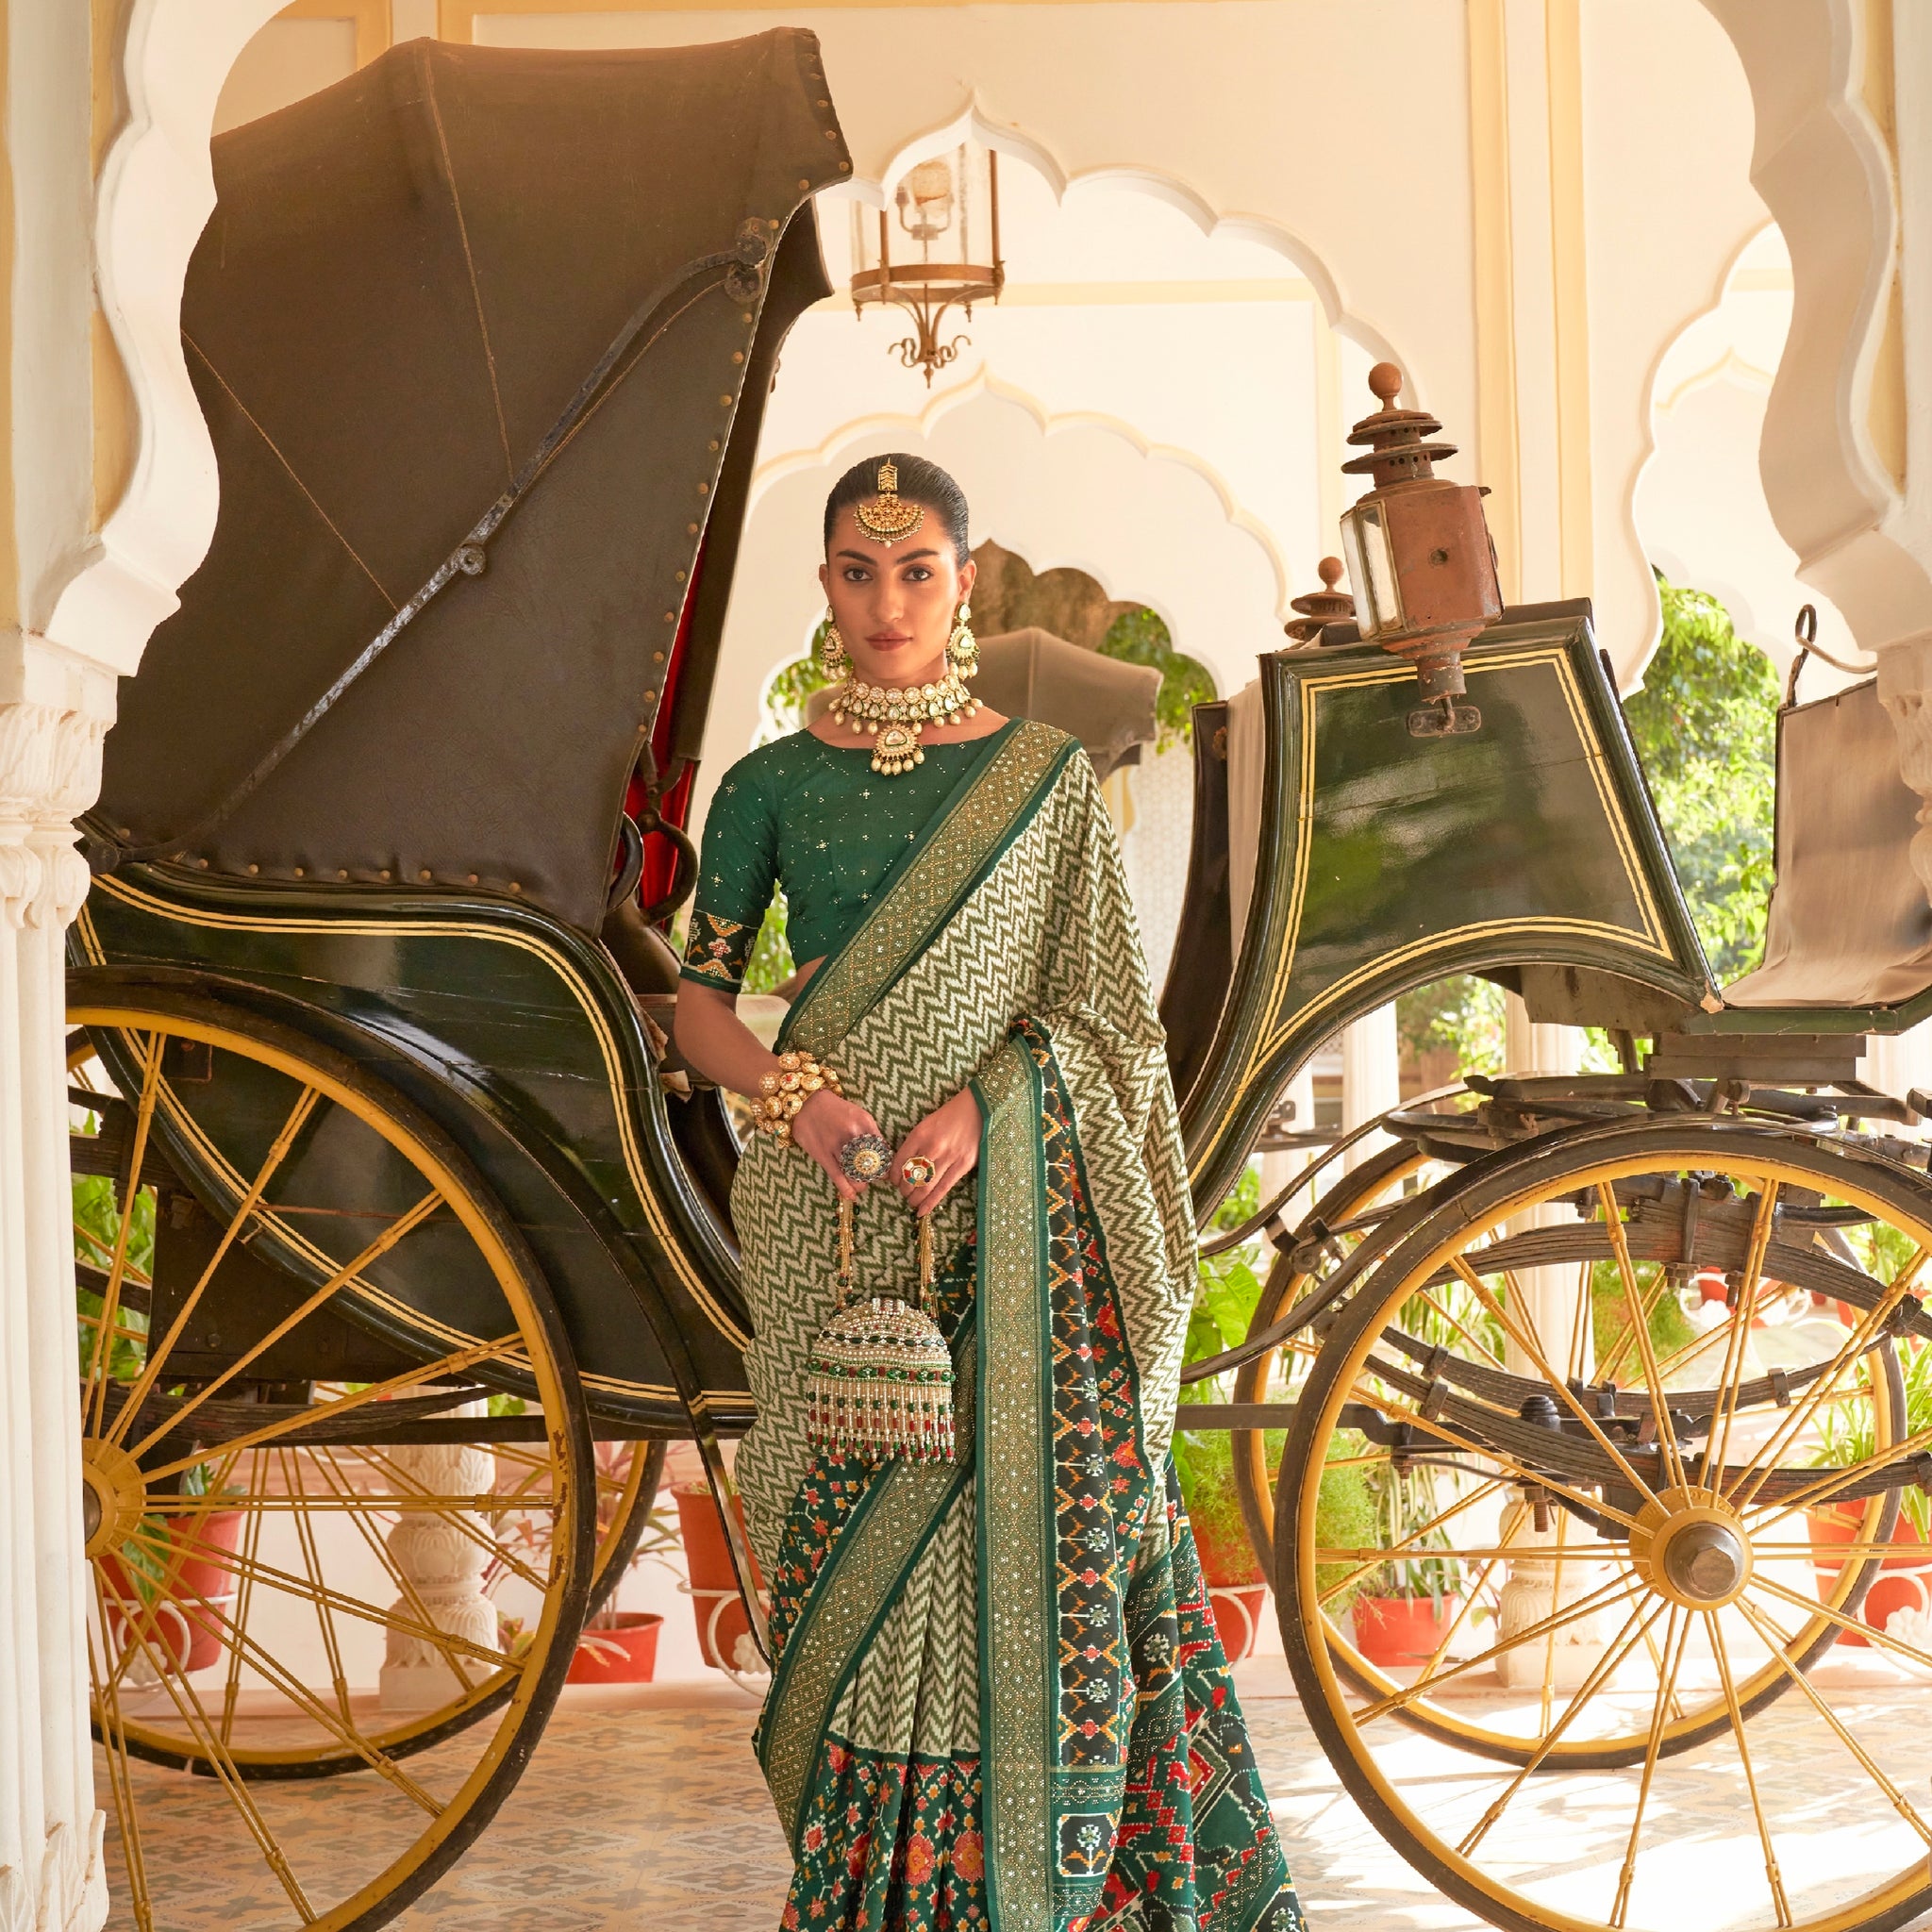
[
  {"x": 736, "y": 872},
  {"x": 718, "y": 950}
]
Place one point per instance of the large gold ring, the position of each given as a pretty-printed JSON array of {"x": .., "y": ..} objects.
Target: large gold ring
[{"x": 917, "y": 1170}]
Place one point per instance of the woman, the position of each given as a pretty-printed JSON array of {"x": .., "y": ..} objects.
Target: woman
[{"x": 999, "y": 1700}]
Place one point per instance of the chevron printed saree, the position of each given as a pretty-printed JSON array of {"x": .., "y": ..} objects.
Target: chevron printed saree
[{"x": 999, "y": 1701}]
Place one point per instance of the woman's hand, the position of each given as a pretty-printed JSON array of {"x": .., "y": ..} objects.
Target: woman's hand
[
  {"x": 949, "y": 1138},
  {"x": 824, "y": 1125}
]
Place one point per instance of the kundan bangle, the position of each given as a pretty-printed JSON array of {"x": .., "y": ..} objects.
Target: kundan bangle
[{"x": 781, "y": 1095}]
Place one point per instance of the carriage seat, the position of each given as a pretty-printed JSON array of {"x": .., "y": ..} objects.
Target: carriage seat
[{"x": 1849, "y": 923}]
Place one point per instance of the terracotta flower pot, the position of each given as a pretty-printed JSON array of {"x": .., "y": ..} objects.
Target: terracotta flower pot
[
  {"x": 1238, "y": 1612},
  {"x": 624, "y": 1652},
  {"x": 1398, "y": 1631},
  {"x": 184, "y": 1624},
  {"x": 1236, "y": 1592},
  {"x": 715, "y": 1602},
  {"x": 1908, "y": 1588}
]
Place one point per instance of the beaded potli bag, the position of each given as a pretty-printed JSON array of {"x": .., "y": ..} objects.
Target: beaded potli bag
[{"x": 880, "y": 1375}]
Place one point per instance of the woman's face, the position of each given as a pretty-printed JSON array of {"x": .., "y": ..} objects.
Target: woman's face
[{"x": 894, "y": 604}]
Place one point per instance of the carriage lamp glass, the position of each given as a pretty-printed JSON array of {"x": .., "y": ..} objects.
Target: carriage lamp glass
[
  {"x": 1419, "y": 556},
  {"x": 935, "y": 249}
]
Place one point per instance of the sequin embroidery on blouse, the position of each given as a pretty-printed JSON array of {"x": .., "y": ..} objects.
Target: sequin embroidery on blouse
[{"x": 815, "y": 821}]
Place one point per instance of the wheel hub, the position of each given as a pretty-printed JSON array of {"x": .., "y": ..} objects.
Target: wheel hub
[
  {"x": 113, "y": 1495},
  {"x": 1691, "y": 1547}
]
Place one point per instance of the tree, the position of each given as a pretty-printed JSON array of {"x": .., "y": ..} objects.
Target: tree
[{"x": 1705, "y": 726}]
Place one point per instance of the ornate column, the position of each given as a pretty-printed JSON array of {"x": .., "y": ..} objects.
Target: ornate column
[
  {"x": 1843, "y": 160},
  {"x": 444, "y": 1568},
  {"x": 54, "y": 711},
  {"x": 1370, "y": 1076}
]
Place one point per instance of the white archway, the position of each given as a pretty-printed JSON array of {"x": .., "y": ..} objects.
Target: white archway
[
  {"x": 1699, "y": 501},
  {"x": 1148, "y": 525}
]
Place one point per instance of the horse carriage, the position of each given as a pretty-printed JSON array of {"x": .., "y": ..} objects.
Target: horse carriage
[{"x": 405, "y": 1251}]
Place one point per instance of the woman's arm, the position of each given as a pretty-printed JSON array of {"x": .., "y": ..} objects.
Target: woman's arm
[{"x": 722, "y": 1047}]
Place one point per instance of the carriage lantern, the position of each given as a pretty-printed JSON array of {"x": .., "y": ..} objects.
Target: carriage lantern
[
  {"x": 947, "y": 209},
  {"x": 1419, "y": 556}
]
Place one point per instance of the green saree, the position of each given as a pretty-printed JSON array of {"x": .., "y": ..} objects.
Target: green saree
[{"x": 999, "y": 1701}]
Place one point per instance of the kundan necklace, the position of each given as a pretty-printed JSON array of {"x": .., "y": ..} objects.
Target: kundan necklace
[{"x": 895, "y": 717}]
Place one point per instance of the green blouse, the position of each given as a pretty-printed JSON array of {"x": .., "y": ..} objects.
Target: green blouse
[{"x": 817, "y": 821}]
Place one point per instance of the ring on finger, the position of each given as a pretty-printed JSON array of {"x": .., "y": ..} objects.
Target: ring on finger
[
  {"x": 863, "y": 1158},
  {"x": 916, "y": 1171}
]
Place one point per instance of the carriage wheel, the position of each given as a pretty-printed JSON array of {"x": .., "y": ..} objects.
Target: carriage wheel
[
  {"x": 272, "y": 1601},
  {"x": 1562, "y": 1595},
  {"x": 628, "y": 1474},
  {"x": 1351, "y": 1209}
]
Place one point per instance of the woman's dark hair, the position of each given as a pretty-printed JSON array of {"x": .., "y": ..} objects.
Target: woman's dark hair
[{"x": 919, "y": 482}]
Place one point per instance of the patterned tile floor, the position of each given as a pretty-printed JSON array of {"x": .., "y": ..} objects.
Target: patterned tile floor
[{"x": 651, "y": 1818}]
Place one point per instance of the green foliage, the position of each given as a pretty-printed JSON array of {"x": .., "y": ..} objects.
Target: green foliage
[
  {"x": 791, "y": 685},
  {"x": 1228, "y": 1288},
  {"x": 1610, "y": 1314},
  {"x": 1346, "y": 1518},
  {"x": 96, "y": 1228},
  {"x": 1705, "y": 726},
  {"x": 1141, "y": 636},
  {"x": 1847, "y": 1431},
  {"x": 1463, "y": 1013}
]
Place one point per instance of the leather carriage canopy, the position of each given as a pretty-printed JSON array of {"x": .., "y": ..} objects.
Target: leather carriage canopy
[{"x": 406, "y": 281}]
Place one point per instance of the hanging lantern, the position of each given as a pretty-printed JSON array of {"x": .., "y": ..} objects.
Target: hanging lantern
[
  {"x": 1419, "y": 556},
  {"x": 937, "y": 248}
]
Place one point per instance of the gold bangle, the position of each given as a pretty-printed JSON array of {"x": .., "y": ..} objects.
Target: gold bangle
[{"x": 781, "y": 1095}]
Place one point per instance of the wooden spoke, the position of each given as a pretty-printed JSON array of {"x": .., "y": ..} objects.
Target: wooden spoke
[
  {"x": 1768, "y": 1633},
  {"x": 311, "y": 1590},
  {"x": 106, "y": 1251},
  {"x": 1481, "y": 1347},
  {"x": 1772, "y": 1873},
  {"x": 157, "y": 1353},
  {"x": 1833, "y": 1480},
  {"x": 297, "y": 1692},
  {"x": 1640, "y": 1322},
  {"x": 311, "y": 1563},
  {"x": 1814, "y": 1398},
  {"x": 506, "y": 1348},
  {"x": 1455, "y": 1622},
  {"x": 403, "y": 1224},
  {"x": 1619, "y": 1646},
  {"x": 458, "y": 1666},
  {"x": 1559, "y": 1385},
  {"x": 1719, "y": 1436},
  {"x": 1879, "y": 1639},
  {"x": 220, "y": 1761},
  {"x": 1676, "y": 1636},
  {"x": 1374, "y": 1559},
  {"x": 1620, "y": 1348},
  {"x": 454, "y": 1519},
  {"x": 99, "y": 1367},
  {"x": 114, "y": 1740},
  {"x": 1617, "y": 1590},
  {"x": 244, "y": 1591}
]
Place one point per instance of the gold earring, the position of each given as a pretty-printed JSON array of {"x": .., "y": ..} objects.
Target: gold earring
[
  {"x": 832, "y": 648},
  {"x": 962, "y": 647}
]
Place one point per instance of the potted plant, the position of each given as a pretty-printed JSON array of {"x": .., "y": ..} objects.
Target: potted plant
[
  {"x": 1226, "y": 1290},
  {"x": 1402, "y": 1611},
  {"x": 723, "y": 1631},
  {"x": 618, "y": 1646},
  {"x": 173, "y": 1579},
  {"x": 1847, "y": 1434}
]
